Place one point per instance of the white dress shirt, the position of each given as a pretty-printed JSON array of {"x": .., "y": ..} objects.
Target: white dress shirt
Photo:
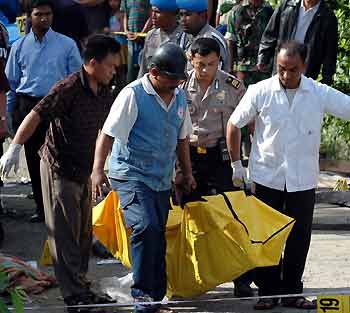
[
  {"x": 285, "y": 148},
  {"x": 304, "y": 20},
  {"x": 123, "y": 114}
]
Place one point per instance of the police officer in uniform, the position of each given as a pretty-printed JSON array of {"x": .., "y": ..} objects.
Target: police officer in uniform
[
  {"x": 166, "y": 30},
  {"x": 194, "y": 23},
  {"x": 212, "y": 95}
]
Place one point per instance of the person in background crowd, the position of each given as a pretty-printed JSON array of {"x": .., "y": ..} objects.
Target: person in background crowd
[
  {"x": 97, "y": 13},
  {"x": 284, "y": 161},
  {"x": 222, "y": 15},
  {"x": 137, "y": 18},
  {"x": 8, "y": 11},
  {"x": 116, "y": 25},
  {"x": 165, "y": 29},
  {"x": 148, "y": 126},
  {"x": 308, "y": 21},
  {"x": 4, "y": 87},
  {"x": 75, "y": 109},
  {"x": 70, "y": 20},
  {"x": 245, "y": 28},
  {"x": 36, "y": 62},
  {"x": 193, "y": 20},
  {"x": 116, "y": 20}
]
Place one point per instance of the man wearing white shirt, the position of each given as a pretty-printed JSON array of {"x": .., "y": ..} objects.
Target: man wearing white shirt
[{"x": 288, "y": 111}]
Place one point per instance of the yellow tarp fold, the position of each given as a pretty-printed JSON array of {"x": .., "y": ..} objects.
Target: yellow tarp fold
[{"x": 206, "y": 245}]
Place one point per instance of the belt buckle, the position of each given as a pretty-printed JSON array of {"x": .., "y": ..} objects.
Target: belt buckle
[{"x": 201, "y": 150}]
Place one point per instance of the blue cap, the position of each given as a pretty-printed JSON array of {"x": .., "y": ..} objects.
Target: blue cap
[
  {"x": 164, "y": 5},
  {"x": 193, "y": 5}
]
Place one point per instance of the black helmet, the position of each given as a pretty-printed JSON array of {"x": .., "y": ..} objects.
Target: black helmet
[{"x": 170, "y": 59}]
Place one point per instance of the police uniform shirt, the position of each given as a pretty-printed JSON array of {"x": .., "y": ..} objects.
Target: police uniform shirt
[
  {"x": 154, "y": 39},
  {"x": 207, "y": 31},
  {"x": 211, "y": 109}
]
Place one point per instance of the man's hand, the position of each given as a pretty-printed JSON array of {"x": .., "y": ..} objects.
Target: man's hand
[
  {"x": 10, "y": 159},
  {"x": 98, "y": 180},
  {"x": 239, "y": 173},
  {"x": 189, "y": 183},
  {"x": 261, "y": 67},
  {"x": 131, "y": 36}
]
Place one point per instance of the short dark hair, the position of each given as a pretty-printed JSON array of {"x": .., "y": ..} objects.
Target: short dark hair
[
  {"x": 98, "y": 46},
  {"x": 204, "y": 46},
  {"x": 293, "y": 48},
  {"x": 38, "y": 3}
]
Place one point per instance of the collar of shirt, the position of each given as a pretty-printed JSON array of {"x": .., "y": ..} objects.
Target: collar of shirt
[
  {"x": 48, "y": 35},
  {"x": 204, "y": 30},
  {"x": 101, "y": 90},
  {"x": 303, "y": 86},
  {"x": 312, "y": 9},
  {"x": 147, "y": 86},
  {"x": 193, "y": 85}
]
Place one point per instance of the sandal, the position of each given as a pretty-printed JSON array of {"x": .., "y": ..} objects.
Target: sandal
[
  {"x": 165, "y": 309},
  {"x": 299, "y": 303},
  {"x": 265, "y": 304}
]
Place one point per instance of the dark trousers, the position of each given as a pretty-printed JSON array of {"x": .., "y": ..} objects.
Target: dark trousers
[
  {"x": 24, "y": 104},
  {"x": 287, "y": 276},
  {"x": 212, "y": 175},
  {"x": 134, "y": 49},
  {"x": 68, "y": 217}
]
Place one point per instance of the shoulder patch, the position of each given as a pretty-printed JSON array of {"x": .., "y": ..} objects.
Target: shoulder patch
[{"x": 233, "y": 81}]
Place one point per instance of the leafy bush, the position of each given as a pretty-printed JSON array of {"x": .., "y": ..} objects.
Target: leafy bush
[
  {"x": 335, "y": 132},
  {"x": 16, "y": 294}
]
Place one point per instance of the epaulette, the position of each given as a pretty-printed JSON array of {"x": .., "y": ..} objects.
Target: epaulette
[{"x": 236, "y": 83}]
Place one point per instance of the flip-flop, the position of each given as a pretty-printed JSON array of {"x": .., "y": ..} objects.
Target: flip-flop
[
  {"x": 264, "y": 304},
  {"x": 299, "y": 303}
]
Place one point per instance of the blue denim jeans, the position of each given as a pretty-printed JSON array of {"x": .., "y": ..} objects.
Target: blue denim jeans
[{"x": 146, "y": 213}]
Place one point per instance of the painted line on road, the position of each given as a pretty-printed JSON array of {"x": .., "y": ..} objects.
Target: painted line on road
[{"x": 338, "y": 293}]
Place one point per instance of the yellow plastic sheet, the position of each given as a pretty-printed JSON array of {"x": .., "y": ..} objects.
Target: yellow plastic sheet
[{"x": 206, "y": 245}]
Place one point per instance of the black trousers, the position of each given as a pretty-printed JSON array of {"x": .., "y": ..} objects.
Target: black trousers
[
  {"x": 287, "y": 276},
  {"x": 24, "y": 104},
  {"x": 212, "y": 175}
]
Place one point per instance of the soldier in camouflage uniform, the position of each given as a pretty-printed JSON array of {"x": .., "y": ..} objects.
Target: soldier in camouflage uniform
[
  {"x": 245, "y": 27},
  {"x": 166, "y": 29}
]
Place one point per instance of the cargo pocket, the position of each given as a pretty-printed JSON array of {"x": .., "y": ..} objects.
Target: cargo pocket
[{"x": 131, "y": 208}]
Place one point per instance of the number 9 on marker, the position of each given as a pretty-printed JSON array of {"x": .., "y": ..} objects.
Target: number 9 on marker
[{"x": 335, "y": 304}]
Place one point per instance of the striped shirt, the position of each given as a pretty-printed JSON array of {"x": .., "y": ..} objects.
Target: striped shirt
[{"x": 137, "y": 12}]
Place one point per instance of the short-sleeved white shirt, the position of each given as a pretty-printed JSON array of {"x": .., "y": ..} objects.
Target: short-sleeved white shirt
[
  {"x": 285, "y": 148},
  {"x": 123, "y": 114}
]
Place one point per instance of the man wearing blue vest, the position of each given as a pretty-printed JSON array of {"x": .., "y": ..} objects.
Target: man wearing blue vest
[{"x": 148, "y": 126}]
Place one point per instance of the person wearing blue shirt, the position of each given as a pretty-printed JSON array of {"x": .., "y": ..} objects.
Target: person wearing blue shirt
[{"x": 36, "y": 62}]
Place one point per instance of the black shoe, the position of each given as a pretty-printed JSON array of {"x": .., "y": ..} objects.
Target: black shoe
[
  {"x": 37, "y": 218},
  {"x": 77, "y": 300},
  {"x": 242, "y": 289}
]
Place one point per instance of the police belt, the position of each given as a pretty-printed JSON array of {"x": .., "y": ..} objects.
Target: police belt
[{"x": 212, "y": 152}]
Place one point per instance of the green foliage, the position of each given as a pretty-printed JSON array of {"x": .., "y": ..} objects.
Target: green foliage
[
  {"x": 335, "y": 132},
  {"x": 16, "y": 294}
]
